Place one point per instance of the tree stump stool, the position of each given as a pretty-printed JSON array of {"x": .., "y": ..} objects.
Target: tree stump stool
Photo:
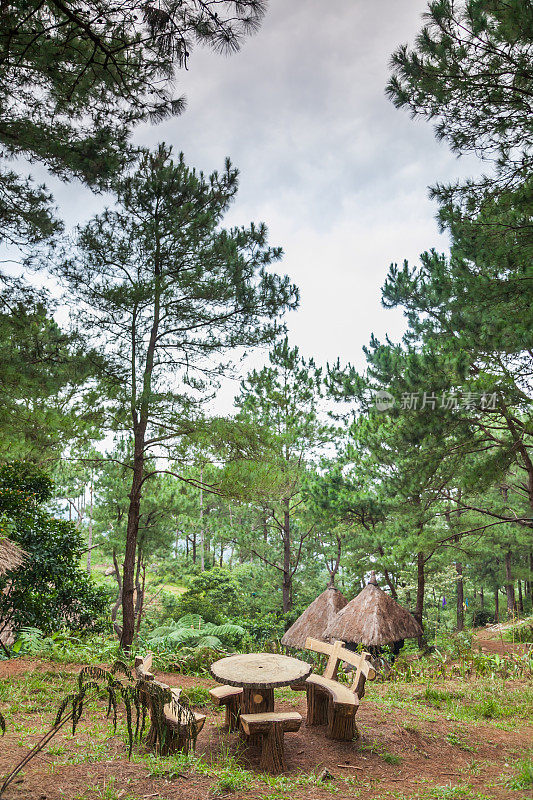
[
  {"x": 271, "y": 727},
  {"x": 231, "y": 698}
]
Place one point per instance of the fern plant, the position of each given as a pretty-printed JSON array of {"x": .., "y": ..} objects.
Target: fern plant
[{"x": 192, "y": 631}]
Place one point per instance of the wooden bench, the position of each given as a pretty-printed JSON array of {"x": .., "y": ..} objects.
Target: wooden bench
[
  {"x": 330, "y": 702},
  {"x": 231, "y": 697},
  {"x": 271, "y": 727},
  {"x": 182, "y": 725}
]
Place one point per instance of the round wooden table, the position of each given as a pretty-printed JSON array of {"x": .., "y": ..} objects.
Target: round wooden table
[{"x": 259, "y": 674}]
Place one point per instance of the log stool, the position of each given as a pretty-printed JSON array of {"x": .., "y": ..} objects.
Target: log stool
[
  {"x": 271, "y": 726},
  {"x": 231, "y": 697}
]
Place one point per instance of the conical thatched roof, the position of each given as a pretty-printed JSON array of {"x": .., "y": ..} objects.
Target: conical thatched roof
[
  {"x": 11, "y": 556},
  {"x": 373, "y": 618},
  {"x": 315, "y": 619}
]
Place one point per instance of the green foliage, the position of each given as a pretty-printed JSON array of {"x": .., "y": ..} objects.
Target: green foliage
[
  {"x": 448, "y": 78},
  {"x": 197, "y": 696},
  {"x": 50, "y": 591},
  {"x": 213, "y": 594},
  {"x": 192, "y": 631},
  {"x": 523, "y": 632},
  {"x": 73, "y": 82}
]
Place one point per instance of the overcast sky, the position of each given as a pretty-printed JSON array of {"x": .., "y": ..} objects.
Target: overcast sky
[{"x": 337, "y": 173}]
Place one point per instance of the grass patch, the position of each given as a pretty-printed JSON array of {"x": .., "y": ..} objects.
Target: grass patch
[
  {"x": 197, "y": 696},
  {"x": 450, "y": 792},
  {"x": 459, "y": 741},
  {"x": 523, "y": 779}
]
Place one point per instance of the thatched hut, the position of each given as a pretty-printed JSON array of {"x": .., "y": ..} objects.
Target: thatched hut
[
  {"x": 373, "y": 619},
  {"x": 315, "y": 619},
  {"x": 11, "y": 556}
]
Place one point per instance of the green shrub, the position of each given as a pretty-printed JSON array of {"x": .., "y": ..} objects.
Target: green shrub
[
  {"x": 214, "y": 595},
  {"x": 197, "y": 695},
  {"x": 51, "y": 591}
]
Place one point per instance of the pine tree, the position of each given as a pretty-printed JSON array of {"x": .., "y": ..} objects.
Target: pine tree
[
  {"x": 282, "y": 402},
  {"x": 164, "y": 293}
]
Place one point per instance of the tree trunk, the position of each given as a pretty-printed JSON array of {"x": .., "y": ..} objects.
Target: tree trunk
[
  {"x": 520, "y": 598},
  {"x": 420, "y": 589},
  {"x": 202, "y": 535},
  {"x": 509, "y": 586},
  {"x": 287, "y": 576},
  {"x": 335, "y": 567},
  {"x": 140, "y": 603},
  {"x": 531, "y": 579},
  {"x": 496, "y": 605},
  {"x": 387, "y": 576},
  {"x": 118, "y": 601},
  {"x": 128, "y": 611},
  {"x": 460, "y": 596},
  {"x": 89, "y": 551},
  {"x": 482, "y": 598}
]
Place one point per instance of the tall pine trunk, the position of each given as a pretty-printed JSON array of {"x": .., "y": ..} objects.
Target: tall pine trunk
[
  {"x": 132, "y": 531},
  {"x": 139, "y": 418},
  {"x": 520, "y": 598},
  {"x": 460, "y": 596},
  {"x": 287, "y": 575},
  {"x": 420, "y": 589},
  {"x": 509, "y": 585}
]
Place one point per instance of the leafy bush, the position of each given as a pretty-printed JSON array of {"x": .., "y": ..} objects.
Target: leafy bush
[
  {"x": 482, "y": 617},
  {"x": 188, "y": 660},
  {"x": 50, "y": 591},
  {"x": 214, "y": 595},
  {"x": 62, "y": 646}
]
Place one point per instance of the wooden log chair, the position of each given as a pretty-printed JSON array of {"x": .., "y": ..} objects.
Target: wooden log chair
[
  {"x": 332, "y": 703},
  {"x": 174, "y": 725},
  {"x": 271, "y": 727},
  {"x": 231, "y": 698}
]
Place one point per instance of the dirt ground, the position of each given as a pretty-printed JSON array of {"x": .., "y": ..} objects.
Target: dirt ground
[
  {"x": 490, "y": 640},
  {"x": 398, "y": 755}
]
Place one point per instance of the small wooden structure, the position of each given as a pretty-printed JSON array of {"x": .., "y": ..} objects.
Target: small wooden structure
[
  {"x": 231, "y": 698},
  {"x": 330, "y": 702},
  {"x": 181, "y": 724},
  {"x": 315, "y": 619},
  {"x": 271, "y": 727},
  {"x": 373, "y": 619},
  {"x": 11, "y": 556}
]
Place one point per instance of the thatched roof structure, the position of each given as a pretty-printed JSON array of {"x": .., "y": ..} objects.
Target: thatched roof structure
[
  {"x": 315, "y": 619},
  {"x": 11, "y": 556},
  {"x": 373, "y": 618}
]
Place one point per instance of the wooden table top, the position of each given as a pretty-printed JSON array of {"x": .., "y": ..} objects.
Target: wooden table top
[{"x": 267, "y": 670}]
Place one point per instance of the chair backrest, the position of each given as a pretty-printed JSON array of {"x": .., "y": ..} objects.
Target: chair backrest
[
  {"x": 337, "y": 653},
  {"x": 143, "y": 666}
]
